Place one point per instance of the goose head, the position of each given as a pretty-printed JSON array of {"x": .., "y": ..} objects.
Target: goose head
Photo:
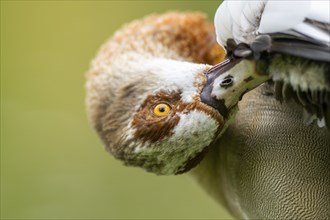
[{"x": 152, "y": 102}]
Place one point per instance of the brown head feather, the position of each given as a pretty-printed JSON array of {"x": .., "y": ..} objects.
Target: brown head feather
[
  {"x": 183, "y": 36},
  {"x": 119, "y": 99},
  {"x": 189, "y": 35}
]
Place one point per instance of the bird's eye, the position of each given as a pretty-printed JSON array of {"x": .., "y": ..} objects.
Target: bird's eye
[{"x": 162, "y": 109}]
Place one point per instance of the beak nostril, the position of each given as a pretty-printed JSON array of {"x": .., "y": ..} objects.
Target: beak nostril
[{"x": 227, "y": 82}]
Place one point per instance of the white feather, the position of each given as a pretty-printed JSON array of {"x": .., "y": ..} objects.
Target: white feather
[
  {"x": 279, "y": 16},
  {"x": 222, "y": 23},
  {"x": 237, "y": 20},
  {"x": 243, "y": 20},
  {"x": 282, "y": 16}
]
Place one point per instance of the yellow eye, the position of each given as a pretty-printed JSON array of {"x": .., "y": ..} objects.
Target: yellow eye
[{"x": 162, "y": 109}]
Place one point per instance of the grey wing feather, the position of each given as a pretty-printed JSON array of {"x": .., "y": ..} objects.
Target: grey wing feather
[{"x": 300, "y": 46}]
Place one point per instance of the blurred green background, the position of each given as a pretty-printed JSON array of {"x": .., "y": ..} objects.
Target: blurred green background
[{"x": 52, "y": 163}]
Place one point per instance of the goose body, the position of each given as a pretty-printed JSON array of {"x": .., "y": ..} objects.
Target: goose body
[
  {"x": 269, "y": 164},
  {"x": 260, "y": 160}
]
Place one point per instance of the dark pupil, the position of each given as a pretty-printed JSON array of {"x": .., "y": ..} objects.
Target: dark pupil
[{"x": 161, "y": 109}]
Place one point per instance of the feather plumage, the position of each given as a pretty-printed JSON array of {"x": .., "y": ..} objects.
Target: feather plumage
[{"x": 266, "y": 165}]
